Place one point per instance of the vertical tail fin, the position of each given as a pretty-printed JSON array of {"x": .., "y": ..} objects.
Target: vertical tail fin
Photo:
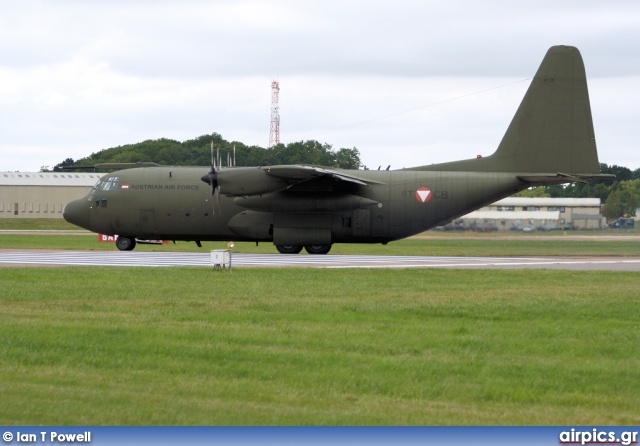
[{"x": 552, "y": 131}]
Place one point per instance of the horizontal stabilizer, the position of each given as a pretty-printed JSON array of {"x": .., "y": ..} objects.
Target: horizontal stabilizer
[{"x": 560, "y": 178}]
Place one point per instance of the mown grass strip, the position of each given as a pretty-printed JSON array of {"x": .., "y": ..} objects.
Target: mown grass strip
[
  {"x": 36, "y": 224},
  {"x": 306, "y": 347}
]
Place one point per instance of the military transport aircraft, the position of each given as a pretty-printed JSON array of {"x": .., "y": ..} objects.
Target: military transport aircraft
[{"x": 549, "y": 141}]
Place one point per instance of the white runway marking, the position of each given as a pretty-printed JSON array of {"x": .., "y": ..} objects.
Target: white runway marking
[{"x": 160, "y": 259}]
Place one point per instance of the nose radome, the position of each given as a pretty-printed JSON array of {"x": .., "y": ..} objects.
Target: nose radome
[{"x": 77, "y": 212}]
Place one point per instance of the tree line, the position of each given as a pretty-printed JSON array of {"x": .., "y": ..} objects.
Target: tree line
[{"x": 197, "y": 152}]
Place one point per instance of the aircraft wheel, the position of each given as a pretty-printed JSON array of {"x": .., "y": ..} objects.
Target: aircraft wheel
[
  {"x": 317, "y": 249},
  {"x": 289, "y": 249},
  {"x": 125, "y": 243}
]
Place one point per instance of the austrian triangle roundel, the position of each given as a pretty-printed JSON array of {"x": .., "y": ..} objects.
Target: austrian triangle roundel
[{"x": 423, "y": 194}]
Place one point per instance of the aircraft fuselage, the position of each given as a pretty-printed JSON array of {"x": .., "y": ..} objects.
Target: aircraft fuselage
[{"x": 173, "y": 203}]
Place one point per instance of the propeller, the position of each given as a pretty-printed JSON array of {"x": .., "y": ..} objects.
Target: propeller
[{"x": 212, "y": 179}]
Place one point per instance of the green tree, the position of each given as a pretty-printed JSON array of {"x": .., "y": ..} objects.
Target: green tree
[
  {"x": 594, "y": 189},
  {"x": 624, "y": 200},
  {"x": 302, "y": 152},
  {"x": 621, "y": 173},
  {"x": 348, "y": 158},
  {"x": 533, "y": 192}
]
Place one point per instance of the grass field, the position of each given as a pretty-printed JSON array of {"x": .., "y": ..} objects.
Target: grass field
[
  {"x": 44, "y": 224},
  {"x": 136, "y": 346},
  {"x": 35, "y": 224}
]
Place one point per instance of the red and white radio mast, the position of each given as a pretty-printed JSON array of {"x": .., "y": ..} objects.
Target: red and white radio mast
[{"x": 274, "y": 133}]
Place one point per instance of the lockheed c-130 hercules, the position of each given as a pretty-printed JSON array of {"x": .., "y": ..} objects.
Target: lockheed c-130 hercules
[{"x": 549, "y": 141}]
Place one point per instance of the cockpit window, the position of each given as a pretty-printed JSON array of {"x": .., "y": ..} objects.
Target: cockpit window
[{"x": 110, "y": 183}]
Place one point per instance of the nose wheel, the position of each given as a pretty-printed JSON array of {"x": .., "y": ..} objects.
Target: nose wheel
[{"x": 125, "y": 243}]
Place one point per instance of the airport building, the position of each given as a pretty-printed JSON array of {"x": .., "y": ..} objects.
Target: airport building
[
  {"x": 41, "y": 194},
  {"x": 535, "y": 214}
]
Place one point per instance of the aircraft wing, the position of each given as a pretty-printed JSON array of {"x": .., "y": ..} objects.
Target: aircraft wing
[
  {"x": 559, "y": 178},
  {"x": 249, "y": 181},
  {"x": 299, "y": 173}
]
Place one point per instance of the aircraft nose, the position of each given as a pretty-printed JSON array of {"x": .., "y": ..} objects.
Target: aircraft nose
[{"x": 77, "y": 212}]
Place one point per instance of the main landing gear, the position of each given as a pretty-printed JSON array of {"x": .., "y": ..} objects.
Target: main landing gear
[
  {"x": 317, "y": 249},
  {"x": 125, "y": 243},
  {"x": 289, "y": 249},
  {"x": 311, "y": 249}
]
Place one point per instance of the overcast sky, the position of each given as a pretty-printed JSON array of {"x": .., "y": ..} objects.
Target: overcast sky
[{"x": 407, "y": 82}]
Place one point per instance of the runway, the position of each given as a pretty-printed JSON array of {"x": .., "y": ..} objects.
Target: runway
[{"x": 168, "y": 259}]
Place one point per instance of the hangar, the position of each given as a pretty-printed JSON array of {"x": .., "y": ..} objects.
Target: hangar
[
  {"x": 529, "y": 214},
  {"x": 41, "y": 194}
]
